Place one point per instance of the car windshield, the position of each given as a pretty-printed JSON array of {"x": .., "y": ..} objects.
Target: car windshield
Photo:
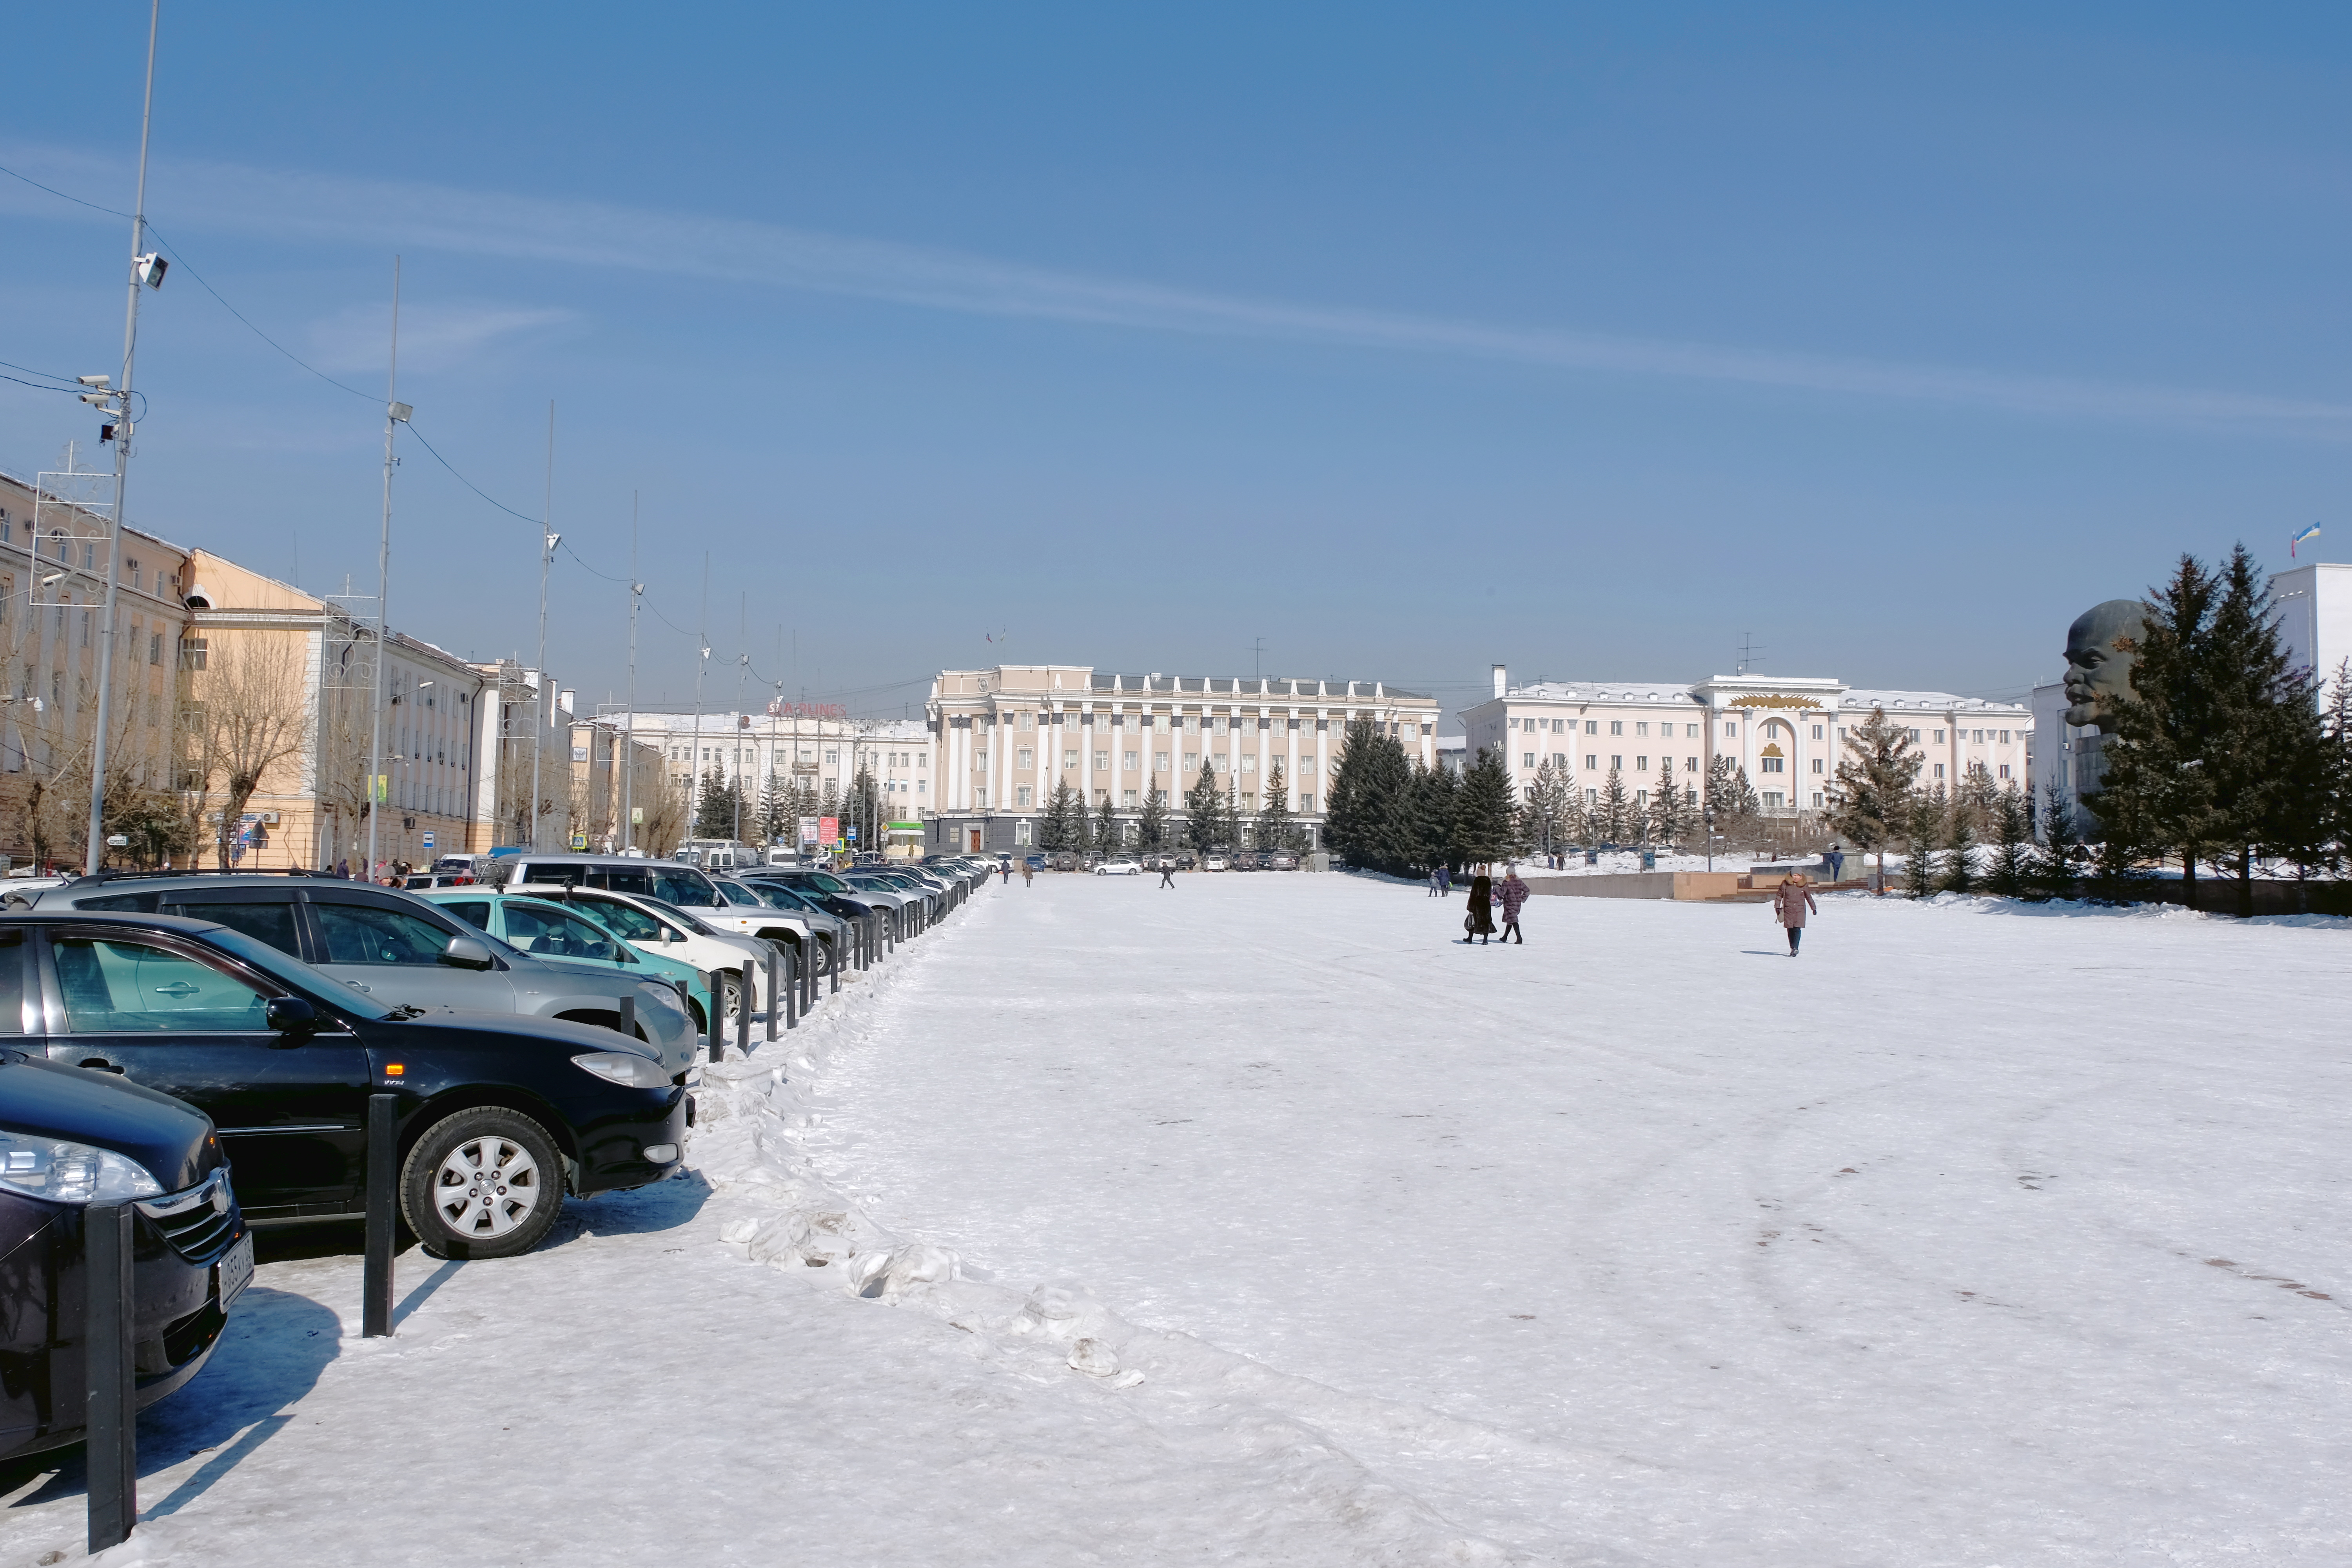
[
  {"x": 682, "y": 917},
  {"x": 632, "y": 922},
  {"x": 295, "y": 973},
  {"x": 787, "y": 897},
  {"x": 830, "y": 883}
]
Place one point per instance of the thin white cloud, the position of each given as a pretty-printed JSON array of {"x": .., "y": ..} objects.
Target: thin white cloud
[
  {"x": 431, "y": 337},
  {"x": 411, "y": 216}
]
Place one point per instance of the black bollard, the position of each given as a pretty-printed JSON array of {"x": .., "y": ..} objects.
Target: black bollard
[
  {"x": 383, "y": 1210},
  {"x": 791, "y": 990},
  {"x": 743, "y": 1014},
  {"x": 718, "y": 1015},
  {"x": 834, "y": 957},
  {"x": 774, "y": 1001},
  {"x": 109, "y": 1364}
]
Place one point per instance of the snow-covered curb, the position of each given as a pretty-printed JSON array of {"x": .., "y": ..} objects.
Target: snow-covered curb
[{"x": 776, "y": 1209}]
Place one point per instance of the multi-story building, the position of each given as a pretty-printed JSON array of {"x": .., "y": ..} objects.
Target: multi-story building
[
  {"x": 1007, "y": 736},
  {"x": 611, "y": 808},
  {"x": 820, "y": 751},
  {"x": 53, "y": 565},
  {"x": 1786, "y": 733}
]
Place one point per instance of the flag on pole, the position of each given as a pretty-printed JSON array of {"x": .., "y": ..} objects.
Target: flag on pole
[{"x": 2306, "y": 537}]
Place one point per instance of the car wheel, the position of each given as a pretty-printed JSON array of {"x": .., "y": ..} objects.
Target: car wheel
[
  {"x": 482, "y": 1183},
  {"x": 730, "y": 994}
]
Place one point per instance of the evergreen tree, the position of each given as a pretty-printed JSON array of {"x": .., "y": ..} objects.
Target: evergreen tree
[
  {"x": 1152, "y": 826},
  {"x": 2053, "y": 867},
  {"x": 1922, "y": 825},
  {"x": 2157, "y": 791},
  {"x": 1544, "y": 817},
  {"x": 1372, "y": 819},
  {"x": 1107, "y": 834},
  {"x": 775, "y": 803},
  {"x": 1576, "y": 829},
  {"x": 1612, "y": 817},
  {"x": 2011, "y": 873},
  {"x": 861, "y": 808},
  {"x": 1436, "y": 792},
  {"x": 1670, "y": 817},
  {"x": 1274, "y": 830},
  {"x": 719, "y": 807},
  {"x": 1204, "y": 812},
  {"x": 1875, "y": 780},
  {"x": 1731, "y": 801},
  {"x": 2268, "y": 756},
  {"x": 1483, "y": 826},
  {"x": 1960, "y": 846},
  {"x": 1055, "y": 830}
]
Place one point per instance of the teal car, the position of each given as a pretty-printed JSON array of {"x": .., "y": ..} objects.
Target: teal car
[{"x": 551, "y": 931}]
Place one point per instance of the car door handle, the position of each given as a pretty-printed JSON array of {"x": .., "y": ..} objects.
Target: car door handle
[
  {"x": 99, "y": 1064},
  {"x": 178, "y": 988}
]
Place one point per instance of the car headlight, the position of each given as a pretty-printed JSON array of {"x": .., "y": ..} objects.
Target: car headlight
[
  {"x": 662, "y": 998},
  {"x": 626, "y": 1069},
  {"x": 66, "y": 1173}
]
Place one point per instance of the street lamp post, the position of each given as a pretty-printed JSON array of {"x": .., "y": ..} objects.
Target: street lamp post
[{"x": 146, "y": 269}]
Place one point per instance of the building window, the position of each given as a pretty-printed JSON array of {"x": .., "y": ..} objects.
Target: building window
[
  {"x": 1690, "y": 764},
  {"x": 1939, "y": 770},
  {"x": 1817, "y": 732},
  {"x": 2004, "y": 737},
  {"x": 1817, "y": 800},
  {"x": 1102, "y": 762},
  {"x": 980, "y": 760},
  {"x": 1127, "y": 797},
  {"x": 1221, "y": 726},
  {"x": 1771, "y": 764},
  {"x": 1939, "y": 737},
  {"x": 1690, "y": 795},
  {"x": 1593, "y": 797},
  {"x": 1127, "y": 761},
  {"x": 1690, "y": 732},
  {"x": 1817, "y": 764},
  {"x": 1159, "y": 761},
  {"x": 1616, "y": 764},
  {"x": 1249, "y": 761},
  {"x": 1305, "y": 762},
  {"x": 1773, "y": 799},
  {"x": 1641, "y": 764},
  {"x": 1592, "y": 763},
  {"x": 1191, "y": 761},
  {"x": 1731, "y": 731},
  {"x": 88, "y": 556},
  {"x": 155, "y": 649},
  {"x": 1026, "y": 758},
  {"x": 1558, "y": 725},
  {"x": 194, "y": 652},
  {"x": 1616, "y": 726},
  {"x": 1028, "y": 721},
  {"x": 1913, "y": 735},
  {"x": 1306, "y": 803},
  {"x": 1021, "y": 795},
  {"x": 2004, "y": 770},
  {"x": 85, "y": 628},
  {"x": 1560, "y": 761},
  {"x": 1070, "y": 759},
  {"x": 1641, "y": 729}
]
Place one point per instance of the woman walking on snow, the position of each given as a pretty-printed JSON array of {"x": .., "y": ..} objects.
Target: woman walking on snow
[
  {"x": 1514, "y": 893},
  {"x": 1791, "y": 901},
  {"x": 1480, "y": 922}
]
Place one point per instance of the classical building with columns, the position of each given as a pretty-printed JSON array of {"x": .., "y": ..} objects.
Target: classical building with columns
[
  {"x": 1005, "y": 737},
  {"x": 1787, "y": 732}
]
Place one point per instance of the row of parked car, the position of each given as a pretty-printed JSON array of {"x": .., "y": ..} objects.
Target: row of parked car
[
  {"x": 160, "y": 1034},
  {"x": 1180, "y": 861}
]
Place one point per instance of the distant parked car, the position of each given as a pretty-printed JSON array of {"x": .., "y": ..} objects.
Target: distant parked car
[
  {"x": 22, "y": 892},
  {"x": 1215, "y": 863},
  {"x": 1119, "y": 869},
  {"x": 68, "y": 1139},
  {"x": 1185, "y": 860},
  {"x": 1064, "y": 860},
  {"x": 1034, "y": 862},
  {"x": 1282, "y": 860}
]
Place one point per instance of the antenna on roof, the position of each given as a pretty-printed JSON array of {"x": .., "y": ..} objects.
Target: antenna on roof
[{"x": 1748, "y": 650}]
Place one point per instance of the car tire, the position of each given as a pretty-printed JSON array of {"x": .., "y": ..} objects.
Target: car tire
[
  {"x": 456, "y": 1213},
  {"x": 730, "y": 996}
]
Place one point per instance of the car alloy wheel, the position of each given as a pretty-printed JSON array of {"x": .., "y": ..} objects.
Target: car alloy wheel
[{"x": 482, "y": 1183}]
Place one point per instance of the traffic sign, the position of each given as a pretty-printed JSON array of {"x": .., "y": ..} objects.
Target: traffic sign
[{"x": 428, "y": 841}]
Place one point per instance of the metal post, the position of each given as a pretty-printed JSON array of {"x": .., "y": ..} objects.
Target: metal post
[
  {"x": 110, "y": 1415},
  {"x": 382, "y": 596},
  {"x": 628, "y": 1025},
  {"x": 124, "y": 428},
  {"x": 375, "y": 1283},
  {"x": 775, "y": 1001},
  {"x": 832, "y": 967},
  {"x": 743, "y": 1013},
  {"x": 808, "y": 983},
  {"x": 791, "y": 990},
  {"x": 718, "y": 1015}
]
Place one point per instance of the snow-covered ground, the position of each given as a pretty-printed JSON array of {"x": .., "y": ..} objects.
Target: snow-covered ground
[{"x": 1254, "y": 1221}]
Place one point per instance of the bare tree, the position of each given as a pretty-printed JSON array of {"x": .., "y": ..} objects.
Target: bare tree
[{"x": 255, "y": 716}]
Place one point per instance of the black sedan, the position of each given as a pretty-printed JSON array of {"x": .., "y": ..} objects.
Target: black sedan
[
  {"x": 498, "y": 1116},
  {"x": 70, "y": 1140}
]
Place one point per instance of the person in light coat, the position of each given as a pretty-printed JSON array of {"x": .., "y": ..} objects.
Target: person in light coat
[
  {"x": 1511, "y": 893},
  {"x": 1791, "y": 901}
]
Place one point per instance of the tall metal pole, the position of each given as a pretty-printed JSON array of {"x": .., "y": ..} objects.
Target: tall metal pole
[
  {"x": 701, "y": 663},
  {"x": 97, "y": 850},
  {"x": 629, "y": 720},
  {"x": 743, "y": 673},
  {"x": 547, "y": 539},
  {"x": 376, "y": 779}
]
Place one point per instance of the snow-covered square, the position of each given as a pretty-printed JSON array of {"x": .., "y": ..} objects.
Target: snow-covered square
[{"x": 1258, "y": 1219}]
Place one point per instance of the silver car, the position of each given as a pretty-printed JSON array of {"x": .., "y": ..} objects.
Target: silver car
[{"x": 397, "y": 948}]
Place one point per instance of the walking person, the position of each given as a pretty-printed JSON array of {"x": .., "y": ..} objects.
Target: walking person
[
  {"x": 1167, "y": 872},
  {"x": 1435, "y": 891},
  {"x": 1791, "y": 901},
  {"x": 1006, "y": 866},
  {"x": 1514, "y": 893},
  {"x": 1445, "y": 881},
  {"x": 1028, "y": 874},
  {"x": 1480, "y": 922}
]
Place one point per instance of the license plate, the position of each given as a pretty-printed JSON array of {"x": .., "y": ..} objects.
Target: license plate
[{"x": 233, "y": 1272}]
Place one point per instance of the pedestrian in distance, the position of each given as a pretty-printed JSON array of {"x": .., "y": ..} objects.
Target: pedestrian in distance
[
  {"x": 1435, "y": 891},
  {"x": 1028, "y": 874},
  {"x": 1514, "y": 893},
  {"x": 1480, "y": 922},
  {"x": 1444, "y": 881},
  {"x": 1836, "y": 861},
  {"x": 1791, "y": 901},
  {"x": 1166, "y": 873}
]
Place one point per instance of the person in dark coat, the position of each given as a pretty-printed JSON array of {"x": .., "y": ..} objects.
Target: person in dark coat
[
  {"x": 1480, "y": 922},
  {"x": 1791, "y": 901},
  {"x": 1166, "y": 873}
]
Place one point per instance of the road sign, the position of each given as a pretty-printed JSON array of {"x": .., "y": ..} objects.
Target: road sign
[
  {"x": 808, "y": 833},
  {"x": 853, "y": 833},
  {"x": 637, "y": 816},
  {"x": 428, "y": 841},
  {"x": 828, "y": 829}
]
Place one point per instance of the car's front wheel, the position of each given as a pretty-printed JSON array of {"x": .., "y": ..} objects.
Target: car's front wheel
[{"x": 482, "y": 1183}]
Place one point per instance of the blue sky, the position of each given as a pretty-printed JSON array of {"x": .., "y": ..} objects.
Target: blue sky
[{"x": 1587, "y": 338}]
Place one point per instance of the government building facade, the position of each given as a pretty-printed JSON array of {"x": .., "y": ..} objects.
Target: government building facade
[
  {"x": 1005, "y": 737},
  {"x": 1786, "y": 733}
]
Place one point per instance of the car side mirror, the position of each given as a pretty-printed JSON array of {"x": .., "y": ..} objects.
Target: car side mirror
[
  {"x": 291, "y": 1015},
  {"x": 465, "y": 952}
]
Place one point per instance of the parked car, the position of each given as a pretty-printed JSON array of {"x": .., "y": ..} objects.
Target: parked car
[
  {"x": 1119, "y": 869},
  {"x": 449, "y": 871},
  {"x": 1282, "y": 860},
  {"x": 546, "y": 930},
  {"x": 866, "y": 881},
  {"x": 22, "y": 892},
  {"x": 496, "y": 1117},
  {"x": 1034, "y": 862},
  {"x": 651, "y": 926},
  {"x": 1214, "y": 863},
  {"x": 832, "y": 931},
  {"x": 827, "y": 888},
  {"x": 1064, "y": 860},
  {"x": 70, "y": 1139},
  {"x": 1186, "y": 861},
  {"x": 396, "y": 947}
]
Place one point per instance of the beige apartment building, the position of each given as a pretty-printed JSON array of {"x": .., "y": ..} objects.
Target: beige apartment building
[
  {"x": 1786, "y": 733},
  {"x": 789, "y": 744},
  {"x": 1005, "y": 737},
  {"x": 53, "y": 567},
  {"x": 615, "y": 807}
]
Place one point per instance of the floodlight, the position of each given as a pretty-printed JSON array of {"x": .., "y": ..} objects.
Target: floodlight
[
  {"x": 149, "y": 269},
  {"x": 401, "y": 411}
]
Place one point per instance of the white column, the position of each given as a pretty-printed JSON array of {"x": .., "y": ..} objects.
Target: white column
[{"x": 1086, "y": 754}]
